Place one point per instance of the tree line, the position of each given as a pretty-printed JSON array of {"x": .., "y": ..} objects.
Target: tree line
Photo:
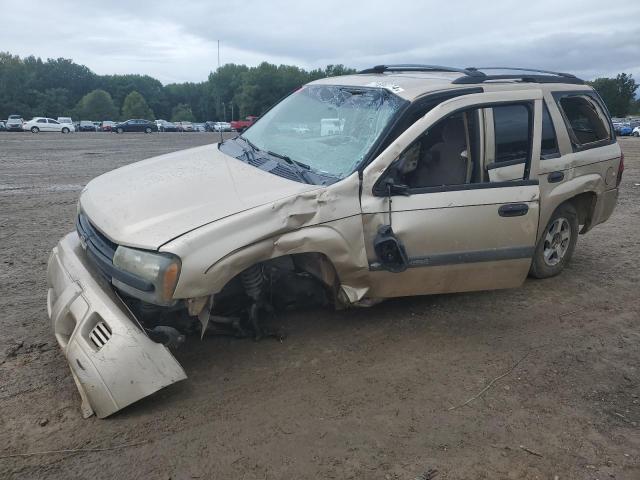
[{"x": 31, "y": 87}]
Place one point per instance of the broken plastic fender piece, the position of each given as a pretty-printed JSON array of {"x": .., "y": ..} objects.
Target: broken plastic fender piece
[{"x": 114, "y": 363}]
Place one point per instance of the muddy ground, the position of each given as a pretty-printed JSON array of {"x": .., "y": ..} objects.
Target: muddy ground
[{"x": 351, "y": 394}]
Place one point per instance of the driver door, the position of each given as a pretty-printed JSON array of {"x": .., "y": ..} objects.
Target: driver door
[{"x": 456, "y": 225}]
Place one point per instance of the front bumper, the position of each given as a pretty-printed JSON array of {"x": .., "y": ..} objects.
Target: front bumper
[{"x": 113, "y": 362}]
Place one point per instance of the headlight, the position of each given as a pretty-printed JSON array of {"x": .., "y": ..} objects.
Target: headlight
[{"x": 161, "y": 269}]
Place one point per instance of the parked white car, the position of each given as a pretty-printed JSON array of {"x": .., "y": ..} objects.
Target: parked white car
[{"x": 41, "y": 124}]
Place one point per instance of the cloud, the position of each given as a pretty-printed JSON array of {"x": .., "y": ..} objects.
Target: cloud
[{"x": 177, "y": 42}]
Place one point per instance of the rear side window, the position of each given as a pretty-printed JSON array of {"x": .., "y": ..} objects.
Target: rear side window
[
  {"x": 585, "y": 121},
  {"x": 511, "y": 131},
  {"x": 549, "y": 147}
]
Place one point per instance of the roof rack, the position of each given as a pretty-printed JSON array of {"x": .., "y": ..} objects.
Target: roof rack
[
  {"x": 416, "y": 67},
  {"x": 537, "y": 76},
  {"x": 473, "y": 75}
]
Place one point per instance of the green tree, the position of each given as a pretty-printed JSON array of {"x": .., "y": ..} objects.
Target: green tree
[
  {"x": 222, "y": 89},
  {"x": 119, "y": 86},
  {"x": 194, "y": 95},
  {"x": 135, "y": 106},
  {"x": 96, "y": 105},
  {"x": 182, "y": 113},
  {"x": 618, "y": 93}
]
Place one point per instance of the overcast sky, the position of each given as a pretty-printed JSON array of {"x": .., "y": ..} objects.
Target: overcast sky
[{"x": 176, "y": 41}]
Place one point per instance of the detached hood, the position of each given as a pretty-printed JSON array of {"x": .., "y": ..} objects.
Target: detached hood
[{"x": 148, "y": 203}]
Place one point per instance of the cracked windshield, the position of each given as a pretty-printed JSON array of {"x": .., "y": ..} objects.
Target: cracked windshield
[{"x": 328, "y": 128}]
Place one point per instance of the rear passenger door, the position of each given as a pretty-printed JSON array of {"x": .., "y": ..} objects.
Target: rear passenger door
[
  {"x": 53, "y": 125},
  {"x": 461, "y": 228},
  {"x": 581, "y": 150}
]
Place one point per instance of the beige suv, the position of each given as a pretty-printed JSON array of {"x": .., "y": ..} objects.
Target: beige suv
[{"x": 400, "y": 180}]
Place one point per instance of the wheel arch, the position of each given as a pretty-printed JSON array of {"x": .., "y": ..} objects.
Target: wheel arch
[
  {"x": 585, "y": 205},
  {"x": 320, "y": 247},
  {"x": 581, "y": 192}
]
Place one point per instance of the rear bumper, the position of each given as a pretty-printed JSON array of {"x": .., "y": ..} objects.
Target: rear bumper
[{"x": 113, "y": 362}]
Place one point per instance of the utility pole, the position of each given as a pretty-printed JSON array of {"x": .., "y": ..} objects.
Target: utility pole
[{"x": 218, "y": 54}]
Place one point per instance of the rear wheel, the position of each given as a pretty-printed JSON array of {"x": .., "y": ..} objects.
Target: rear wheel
[
  {"x": 557, "y": 243},
  {"x": 147, "y": 130},
  {"x": 35, "y": 130},
  {"x": 65, "y": 130},
  {"x": 636, "y": 134}
]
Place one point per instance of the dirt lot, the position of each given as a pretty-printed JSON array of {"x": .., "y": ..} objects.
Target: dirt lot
[{"x": 352, "y": 394}]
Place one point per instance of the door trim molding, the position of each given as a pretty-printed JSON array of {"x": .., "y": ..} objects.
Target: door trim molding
[{"x": 456, "y": 258}]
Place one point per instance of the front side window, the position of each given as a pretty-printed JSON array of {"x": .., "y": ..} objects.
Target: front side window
[
  {"x": 511, "y": 133},
  {"x": 446, "y": 154},
  {"x": 585, "y": 121},
  {"x": 328, "y": 128}
]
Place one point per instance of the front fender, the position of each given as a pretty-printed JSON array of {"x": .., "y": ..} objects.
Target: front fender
[{"x": 326, "y": 220}]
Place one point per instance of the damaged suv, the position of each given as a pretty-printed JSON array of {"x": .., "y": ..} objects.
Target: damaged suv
[{"x": 400, "y": 180}]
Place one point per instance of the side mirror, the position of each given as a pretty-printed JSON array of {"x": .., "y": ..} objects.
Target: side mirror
[
  {"x": 390, "y": 251},
  {"x": 391, "y": 186}
]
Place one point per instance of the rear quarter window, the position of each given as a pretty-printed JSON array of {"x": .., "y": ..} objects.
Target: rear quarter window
[{"x": 587, "y": 124}]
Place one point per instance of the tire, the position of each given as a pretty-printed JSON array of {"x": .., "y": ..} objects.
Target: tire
[
  {"x": 147, "y": 130},
  {"x": 556, "y": 244},
  {"x": 65, "y": 130},
  {"x": 636, "y": 134},
  {"x": 119, "y": 130},
  {"x": 35, "y": 130}
]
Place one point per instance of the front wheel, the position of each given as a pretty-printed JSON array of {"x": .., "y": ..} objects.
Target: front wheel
[
  {"x": 557, "y": 243},
  {"x": 35, "y": 130},
  {"x": 119, "y": 130},
  {"x": 636, "y": 134}
]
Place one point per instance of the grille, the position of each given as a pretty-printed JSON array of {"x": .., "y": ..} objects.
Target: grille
[
  {"x": 100, "y": 334},
  {"x": 101, "y": 248}
]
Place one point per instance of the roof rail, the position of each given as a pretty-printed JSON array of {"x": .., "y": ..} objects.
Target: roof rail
[
  {"x": 472, "y": 75},
  {"x": 547, "y": 76},
  {"x": 416, "y": 67}
]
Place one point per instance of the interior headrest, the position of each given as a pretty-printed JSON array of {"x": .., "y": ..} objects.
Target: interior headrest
[{"x": 453, "y": 131}]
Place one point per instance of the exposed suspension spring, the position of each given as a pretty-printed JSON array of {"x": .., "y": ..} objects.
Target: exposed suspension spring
[{"x": 253, "y": 281}]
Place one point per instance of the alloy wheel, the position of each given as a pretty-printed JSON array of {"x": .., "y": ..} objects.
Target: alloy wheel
[{"x": 556, "y": 242}]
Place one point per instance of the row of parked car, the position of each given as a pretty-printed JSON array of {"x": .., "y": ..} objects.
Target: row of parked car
[
  {"x": 16, "y": 123},
  {"x": 627, "y": 126}
]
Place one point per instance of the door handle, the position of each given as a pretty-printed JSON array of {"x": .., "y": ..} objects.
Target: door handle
[
  {"x": 555, "y": 177},
  {"x": 513, "y": 210}
]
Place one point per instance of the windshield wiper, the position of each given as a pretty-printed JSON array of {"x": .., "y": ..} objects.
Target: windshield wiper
[
  {"x": 297, "y": 167},
  {"x": 246, "y": 151}
]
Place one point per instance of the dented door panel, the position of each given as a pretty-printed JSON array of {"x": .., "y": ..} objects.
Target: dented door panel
[{"x": 460, "y": 239}]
